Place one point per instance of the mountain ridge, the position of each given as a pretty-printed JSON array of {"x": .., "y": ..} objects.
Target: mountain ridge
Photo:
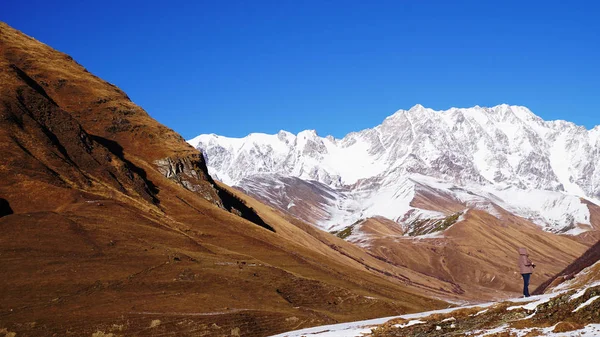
[
  {"x": 505, "y": 147},
  {"x": 522, "y": 113}
]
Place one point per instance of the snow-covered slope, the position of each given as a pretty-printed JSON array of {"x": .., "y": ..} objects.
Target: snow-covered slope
[
  {"x": 534, "y": 318},
  {"x": 504, "y": 156},
  {"x": 569, "y": 309}
]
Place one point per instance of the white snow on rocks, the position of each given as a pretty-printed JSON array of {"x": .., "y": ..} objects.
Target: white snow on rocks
[
  {"x": 361, "y": 328},
  {"x": 586, "y": 303},
  {"x": 590, "y": 330},
  {"x": 503, "y": 156},
  {"x": 533, "y": 305},
  {"x": 410, "y": 323}
]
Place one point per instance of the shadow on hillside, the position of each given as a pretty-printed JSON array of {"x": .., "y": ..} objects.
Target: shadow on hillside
[
  {"x": 233, "y": 204},
  {"x": 5, "y": 208},
  {"x": 117, "y": 150},
  {"x": 32, "y": 83}
]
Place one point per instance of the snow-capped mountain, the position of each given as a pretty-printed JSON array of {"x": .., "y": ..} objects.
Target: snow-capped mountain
[{"x": 504, "y": 157}]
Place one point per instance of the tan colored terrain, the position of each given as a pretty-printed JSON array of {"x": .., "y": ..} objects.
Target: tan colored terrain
[
  {"x": 570, "y": 307},
  {"x": 471, "y": 249},
  {"x": 479, "y": 251},
  {"x": 480, "y": 254},
  {"x": 110, "y": 224},
  {"x": 474, "y": 250},
  {"x": 572, "y": 275}
]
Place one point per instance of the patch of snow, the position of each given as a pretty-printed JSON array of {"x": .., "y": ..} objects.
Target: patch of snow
[
  {"x": 586, "y": 303},
  {"x": 578, "y": 294},
  {"x": 551, "y": 210},
  {"x": 434, "y": 235},
  {"x": 590, "y": 330},
  {"x": 360, "y": 328},
  {"x": 357, "y": 329},
  {"x": 481, "y": 312},
  {"x": 533, "y": 305},
  {"x": 481, "y": 159},
  {"x": 409, "y": 323}
]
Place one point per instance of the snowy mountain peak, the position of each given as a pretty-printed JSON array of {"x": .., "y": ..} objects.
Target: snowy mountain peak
[
  {"x": 308, "y": 135},
  {"x": 495, "y": 148},
  {"x": 417, "y": 107}
]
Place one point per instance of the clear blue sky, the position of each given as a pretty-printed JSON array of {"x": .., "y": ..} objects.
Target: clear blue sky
[{"x": 235, "y": 67}]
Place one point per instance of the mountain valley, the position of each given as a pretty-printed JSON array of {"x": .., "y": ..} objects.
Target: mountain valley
[{"x": 112, "y": 224}]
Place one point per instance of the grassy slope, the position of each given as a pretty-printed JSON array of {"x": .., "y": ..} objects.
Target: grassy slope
[
  {"x": 480, "y": 254},
  {"x": 101, "y": 241}
]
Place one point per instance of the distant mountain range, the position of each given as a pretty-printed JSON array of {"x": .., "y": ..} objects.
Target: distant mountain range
[{"x": 493, "y": 159}]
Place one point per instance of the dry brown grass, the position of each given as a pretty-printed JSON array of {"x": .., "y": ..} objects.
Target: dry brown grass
[
  {"x": 89, "y": 251},
  {"x": 94, "y": 248},
  {"x": 479, "y": 254}
]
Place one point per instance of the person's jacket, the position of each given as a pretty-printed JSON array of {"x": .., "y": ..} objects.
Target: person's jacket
[{"x": 525, "y": 264}]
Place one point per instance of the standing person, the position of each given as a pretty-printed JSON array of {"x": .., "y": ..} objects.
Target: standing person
[{"x": 526, "y": 269}]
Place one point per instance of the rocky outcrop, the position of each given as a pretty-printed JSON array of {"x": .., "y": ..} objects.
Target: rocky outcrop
[{"x": 191, "y": 173}]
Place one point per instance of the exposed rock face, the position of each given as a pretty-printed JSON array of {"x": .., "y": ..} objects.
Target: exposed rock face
[
  {"x": 307, "y": 200},
  {"x": 189, "y": 172}
]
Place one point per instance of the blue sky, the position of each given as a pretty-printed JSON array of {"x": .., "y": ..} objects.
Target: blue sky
[{"x": 235, "y": 67}]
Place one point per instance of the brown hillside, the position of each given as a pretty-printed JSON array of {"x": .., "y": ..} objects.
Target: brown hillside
[
  {"x": 350, "y": 254},
  {"x": 592, "y": 236},
  {"x": 478, "y": 253},
  {"x": 109, "y": 224},
  {"x": 589, "y": 258}
]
